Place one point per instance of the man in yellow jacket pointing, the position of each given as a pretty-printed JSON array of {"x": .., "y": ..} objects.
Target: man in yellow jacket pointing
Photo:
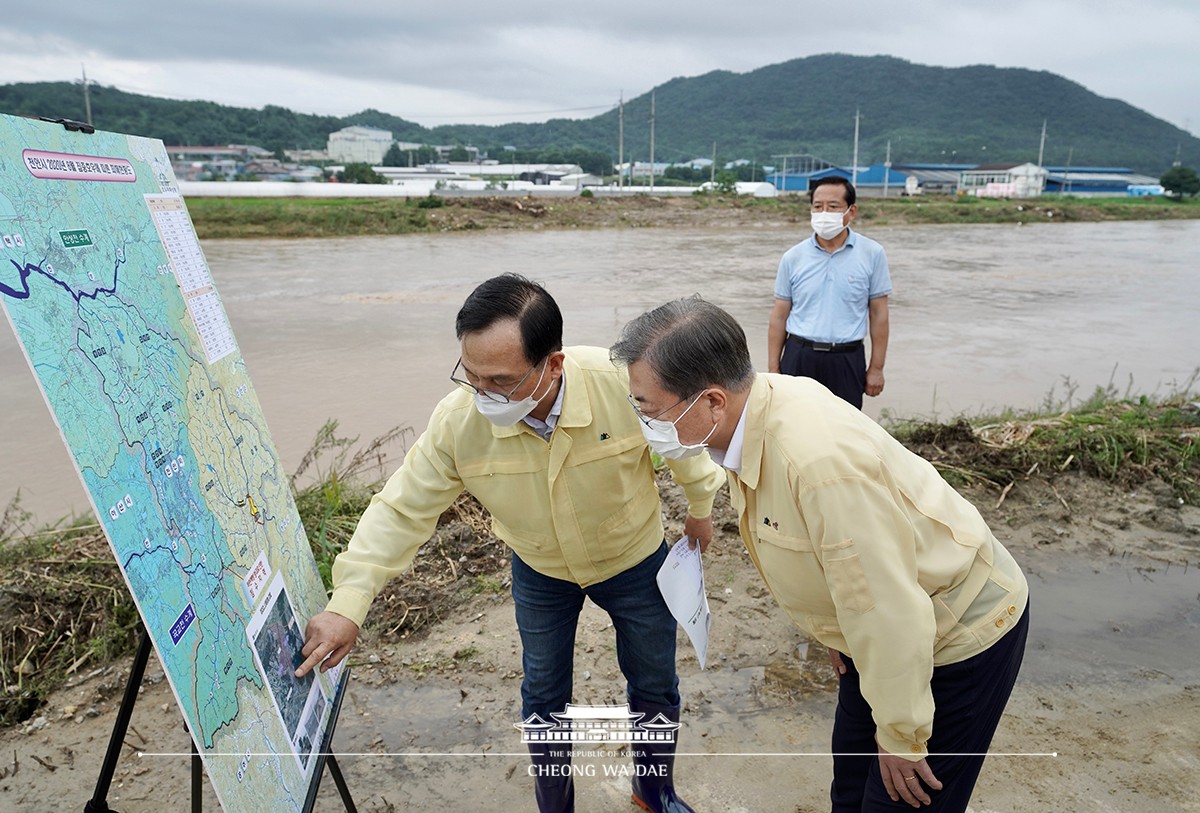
[{"x": 544, "y": 438}]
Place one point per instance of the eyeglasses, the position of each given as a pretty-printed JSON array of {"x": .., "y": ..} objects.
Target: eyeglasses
[
  {"x": 489, "y": 394},
  {"x": 644, "y": 418}
]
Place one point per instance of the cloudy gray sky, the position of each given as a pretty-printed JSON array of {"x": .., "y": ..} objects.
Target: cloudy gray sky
[{"x": 492, "y": 62}]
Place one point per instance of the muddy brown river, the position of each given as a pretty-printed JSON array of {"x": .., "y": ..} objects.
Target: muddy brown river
[{"x": 361, "y": 329}]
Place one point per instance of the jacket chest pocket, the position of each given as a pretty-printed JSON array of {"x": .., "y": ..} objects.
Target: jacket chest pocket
[
  {"x": 504, "y": 483},
  {"x": 848, "y": 582},
  {"x": 790, "y": 568}
]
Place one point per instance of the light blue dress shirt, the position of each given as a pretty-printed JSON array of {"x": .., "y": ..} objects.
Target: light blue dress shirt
[{"x": 830, "y": 293}]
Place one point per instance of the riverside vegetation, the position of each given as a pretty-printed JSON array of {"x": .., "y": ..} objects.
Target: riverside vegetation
[
  {"x": 343, "y": 217},
  {"x": 65, "y": 608}
]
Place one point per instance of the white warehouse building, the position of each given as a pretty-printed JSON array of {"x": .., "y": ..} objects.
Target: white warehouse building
[{"x": 359, "y": 144}]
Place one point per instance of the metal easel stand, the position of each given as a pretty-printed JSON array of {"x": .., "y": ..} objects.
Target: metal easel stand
[{"x": 99, "y": 801}]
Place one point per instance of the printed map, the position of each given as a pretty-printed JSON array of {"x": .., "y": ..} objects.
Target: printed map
[{"x": 104, "y": 282}]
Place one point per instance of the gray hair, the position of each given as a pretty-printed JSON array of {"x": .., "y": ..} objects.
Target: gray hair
[{"x": 690, "y": 344}]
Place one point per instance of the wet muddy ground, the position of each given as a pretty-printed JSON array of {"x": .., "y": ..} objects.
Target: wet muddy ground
[{"x": 1105, "y": 716}]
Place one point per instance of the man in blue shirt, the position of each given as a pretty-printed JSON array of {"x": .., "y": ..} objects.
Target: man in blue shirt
[{"x": 830, "y": 290}]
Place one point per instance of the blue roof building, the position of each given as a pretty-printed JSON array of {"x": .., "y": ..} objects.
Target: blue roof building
[{"x": 872, "y": 180}]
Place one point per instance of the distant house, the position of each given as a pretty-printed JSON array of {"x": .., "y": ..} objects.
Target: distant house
[
  {"x": 798, "y": 170},
  {"x": 933, "y": 179},
  {"x": 192, "y": 163},
  {"x": 642, "y": 169},
  {"x": 269, "y": 169},
  {"x": 1003, "y": 181},
  {"x": 358, "y": 144}
]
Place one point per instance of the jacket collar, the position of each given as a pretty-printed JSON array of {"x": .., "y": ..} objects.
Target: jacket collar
[{"x": 754, "y": 442}]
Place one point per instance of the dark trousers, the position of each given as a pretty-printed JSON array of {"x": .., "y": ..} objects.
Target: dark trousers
[
  {"x": 969, "y": 697},
  {"x": 843, "y": 373}
]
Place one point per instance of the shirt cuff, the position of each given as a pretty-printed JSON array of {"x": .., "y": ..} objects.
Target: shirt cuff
[
  {"x": 700, "y": 509},
  {"x": 350, "y": 604},
  {"x": 905, "y": 749}
]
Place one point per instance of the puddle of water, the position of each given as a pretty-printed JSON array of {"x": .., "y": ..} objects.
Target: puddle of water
[
  {"x": 1117, "y": 623},
  {"x": 1122, "y": 621}
]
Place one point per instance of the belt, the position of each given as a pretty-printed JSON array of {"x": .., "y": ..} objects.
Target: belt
[{"x": 826, "y": 347}]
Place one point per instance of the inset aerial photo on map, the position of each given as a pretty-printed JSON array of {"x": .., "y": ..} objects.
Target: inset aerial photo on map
[{"x": 277, "y": 638}]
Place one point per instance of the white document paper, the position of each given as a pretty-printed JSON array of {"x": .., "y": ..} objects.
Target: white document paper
[{"x": 681, "y": 582}]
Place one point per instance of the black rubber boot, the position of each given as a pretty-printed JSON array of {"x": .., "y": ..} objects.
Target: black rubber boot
[
  {"x": 654, "y": 763},
  {"x": 554, "y": 786}
]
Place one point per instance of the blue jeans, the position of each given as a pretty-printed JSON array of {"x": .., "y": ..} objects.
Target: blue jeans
[{"x": 548, "y": 613}]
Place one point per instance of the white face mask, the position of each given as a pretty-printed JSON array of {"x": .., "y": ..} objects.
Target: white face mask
[
  {"x": 508, "y": 413},
  {"x": 663, "y": 437},
  {"x": 828, "y": 225}
]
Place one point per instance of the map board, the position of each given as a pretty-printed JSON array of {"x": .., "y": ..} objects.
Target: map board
[{"x": 104, "y": 282}]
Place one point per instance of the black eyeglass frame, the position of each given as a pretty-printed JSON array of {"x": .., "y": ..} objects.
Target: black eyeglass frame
[
  {"x": 489, "y": 394},
  {"x": 644, "y": 418}
]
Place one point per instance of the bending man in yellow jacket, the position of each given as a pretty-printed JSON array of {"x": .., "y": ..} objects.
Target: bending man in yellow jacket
[
  {"x": 545, "y": 440},
  {"x": 863, "y": 545}
]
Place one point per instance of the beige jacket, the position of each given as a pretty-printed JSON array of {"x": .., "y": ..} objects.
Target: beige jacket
[{"x": 869, "y": 550}]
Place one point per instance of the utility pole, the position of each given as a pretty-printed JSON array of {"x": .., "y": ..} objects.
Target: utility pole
[
  {"x": 1042, "y": 146},
  {"x": 652, "y": 142},
  {"x": 1067, "y": 174},
  {"x": 621, "y": 142},
  {"x": 87, "y": 98},
  {"x": 854, "y": 169},
  {"x": 887, "y": 168},
  {"x": 712, "y": 170}
]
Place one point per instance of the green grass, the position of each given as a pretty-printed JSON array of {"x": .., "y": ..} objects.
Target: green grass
[
  {"x": 306, "y": 217},
  {"x": 1119, "y": 438},
  {"x": 488, "y": 583},
  {"x": 65, "y": 610},
  {"x": 1047, "y": 209},
  {"x": 339, "y": 477},
  {"x": 344, "y": 217}
]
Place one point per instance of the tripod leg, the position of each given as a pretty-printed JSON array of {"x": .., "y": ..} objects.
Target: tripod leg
[
  {"x": 99, "y": 801},
  {"x": 197, "y": 771},
  {"x": 340, "y": 781}
]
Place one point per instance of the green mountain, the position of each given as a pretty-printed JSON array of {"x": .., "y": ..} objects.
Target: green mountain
[{"x": 974, "y": 114}]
